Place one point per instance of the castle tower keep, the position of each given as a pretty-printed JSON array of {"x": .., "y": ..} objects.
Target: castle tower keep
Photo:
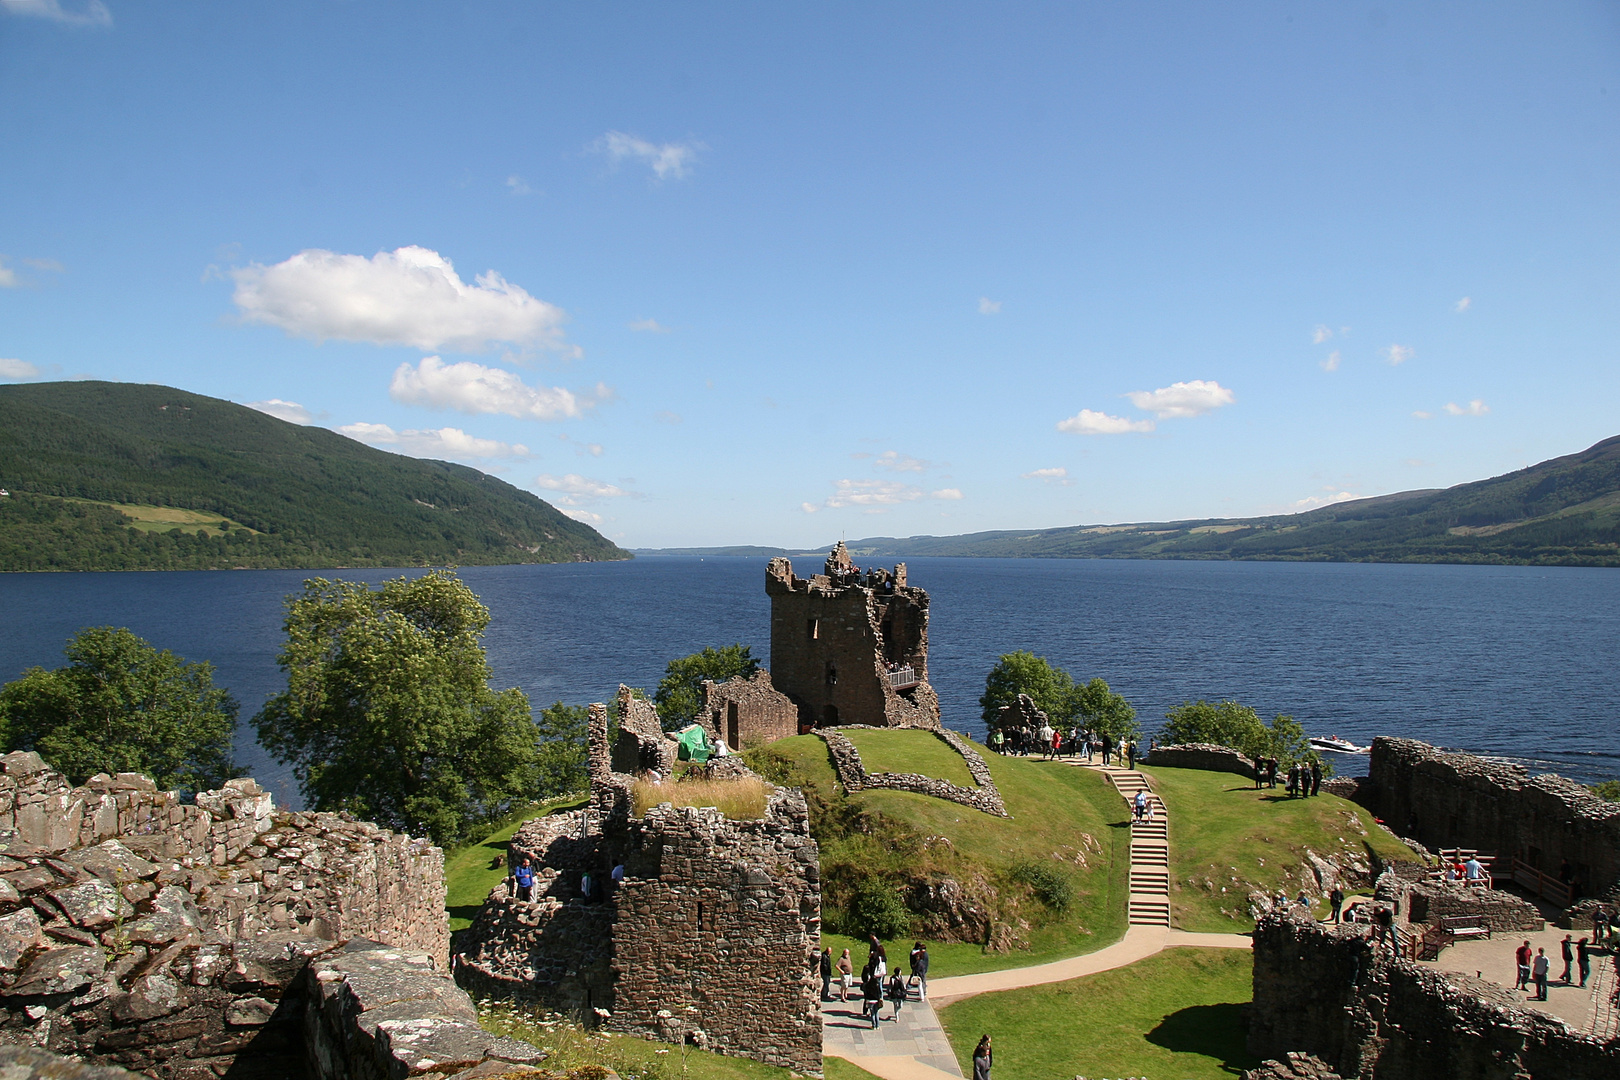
[{"x": 850, "y": 646}]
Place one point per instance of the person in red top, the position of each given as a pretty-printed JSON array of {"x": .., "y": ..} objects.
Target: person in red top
[{"x": 1522, "y": 955}]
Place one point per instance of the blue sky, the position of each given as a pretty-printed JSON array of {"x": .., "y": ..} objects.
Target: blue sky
[{"x": 708, "y": 274}]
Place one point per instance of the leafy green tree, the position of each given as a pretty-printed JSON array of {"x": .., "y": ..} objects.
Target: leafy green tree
[
  {"x": 680, "y": 691},
  {"x": 1016, "y": 673},
  {"x": 561, "y": 763},
  {"x": 1104, "y": 711},
  {"x": 1224, "y": 723},
  {"x": 122, "y": 705},
  {"x": 1608, "y": 789},
  {"x": 388, "y": 712}
]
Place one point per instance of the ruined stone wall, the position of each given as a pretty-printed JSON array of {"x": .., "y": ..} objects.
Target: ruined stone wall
[
  {"x": 852, "y": 774},
  {"x": 168, "y": 937},
  {"x": 1322, "y": 990},
  {"x": 1431, "y": 901},
  {"x": 830, "y": 652},
  {"x": 748, "y": 712},
  {"x": 641, "y": 742},
  {"x": 1206, "y": 756},
  {"x": 1446, "y": 799}
]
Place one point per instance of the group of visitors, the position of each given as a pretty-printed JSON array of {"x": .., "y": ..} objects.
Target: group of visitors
[
  {"x": 1056, "y": 742},
  {"x": 1466, "y": 871},
  {"x": 1304, "y": 778},
  {"x": 877, "y": 981},
  {"x": 520, "y": 882},
  {"x": 1534, "y": 966}
]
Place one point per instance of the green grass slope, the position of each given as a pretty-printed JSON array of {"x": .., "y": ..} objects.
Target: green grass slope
[
  {"x": 1227, "y": 838},
  {"x": 1067, "y": 820},
  {"x": 903, "y": 752},
  {"x": 296, "y": 496},
  {"x": 1563, "y": 512},
  {"x": 1176, "y": 1015}
]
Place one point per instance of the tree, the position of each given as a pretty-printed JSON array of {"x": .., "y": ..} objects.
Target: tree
[
  {"x": 561, "y": 764},
  {"x": 680, "y": 691},
  {"x": 1104, "y": 711},
  {"x": 1229, "y": 724},
  {"x": 388, "y": 712},
  {"x": 123, "y": 705},
  {"x": 1016, "y": 673}
]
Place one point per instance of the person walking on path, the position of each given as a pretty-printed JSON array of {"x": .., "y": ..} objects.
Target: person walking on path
[
  {"x": 1567, "y": 948},
  {"x": 1521, "y": 958},
  {"x": 524, "y": 875},
  {"x": 919, "y": 969},
  {"x": 826, "y": 974},
  {"x": 981, "y": 1059},
  {"x": 877, "y": 957},
  {"x": 1336, "y": 898},
  {"x": 846, "y": 975},
  {"x": 872, "y": 994},
  {"x": 1583, "y": 960},
  {"x": 1108, "y": 746},
  {"x": 1539, "y": 970},
  {"x": 1139, "y": 804},
  {"x": 897, "y": 992}
]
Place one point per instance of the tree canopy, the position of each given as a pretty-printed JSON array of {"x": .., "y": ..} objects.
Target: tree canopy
[
  {"x": 388, "y": 712},
  {"x": 1016, "y": 673},
  {"x": 680, "y": 691},
  {"x": 1227, "y": 723},
  {"x": 1103, "y": 711},
  {"x": 123, "y": 705}
]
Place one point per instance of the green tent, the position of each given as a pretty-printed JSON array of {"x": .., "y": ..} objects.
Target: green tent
[{"x": 694, "y": 744}]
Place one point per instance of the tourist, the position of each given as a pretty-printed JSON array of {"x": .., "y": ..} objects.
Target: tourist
[
  {"x": 1336, "y": 898},
  {"x": 872, "y": 993},
  {"x": 1139, "y": 804},
  {"x": 826, "y": 974},
  {"x": 1583, "y": 960},
  {"x": 1539, "y": 971},
  {"x": 897, "y": 992},
  {"x": 1602, "y": 919},
  {"x": 919, "y": 969},
  {"x": 877, "y": 956},
  {"x": 617, "y": 876},
  {"x": 1086, "y": 741},
  {"x": 1521, "y": 958},
  {"x": 1566, "y": 949},
  {"x": 524, "y": 876},
  {"x": 1130, "y": 754},
  {"x": 846, "y": 975},
  {"x": 1045, "y": 737},
  {"x": 1316, "y": 778},
  {"x": 1473, "y": 869},
  {"x": 1293, "y": 780},
  {"x": 981, "y": 1059},
  {"x": 997, "y": 739},
  {"x": 1057, "y": 744},
  {"x": 1384, "y": 927},
  {"x": 1107, "y": 747}
]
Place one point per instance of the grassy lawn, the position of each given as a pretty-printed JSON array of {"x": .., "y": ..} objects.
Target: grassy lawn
[
  {"x": 904, "y": 752},
  {"x": 1054, "y": 809},
  {"x": 470, "y": 872},
  {"x": 1174, "y": 1016},
  {"x": 1225, "y": 835},
  {"x": 839, "y": 1069},
  {"x": 569, "y": 1047}
]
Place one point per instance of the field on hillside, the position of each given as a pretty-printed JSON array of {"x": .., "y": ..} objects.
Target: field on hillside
[
  {"x": 902, "y": 751},
  {"x": 1177, "y": 1015},
  {"x": 1067, "y": 820},
  {"x": 1227, "y": 838}
]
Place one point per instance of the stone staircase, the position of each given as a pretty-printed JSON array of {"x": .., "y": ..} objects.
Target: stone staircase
[{"x": 1149, "y": 903}]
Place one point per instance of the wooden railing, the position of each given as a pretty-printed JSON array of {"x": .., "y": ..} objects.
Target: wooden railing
[{"x": 1545, "y": 886}]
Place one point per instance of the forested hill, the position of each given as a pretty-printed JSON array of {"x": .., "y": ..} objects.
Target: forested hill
[
  {"x": 116, "y": 476},
  {"x": 1563, "y": 512}
]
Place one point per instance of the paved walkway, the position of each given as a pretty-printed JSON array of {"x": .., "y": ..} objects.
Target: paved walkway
[
  {"x": 914, "y": 1047},
  {"x": 1584, "y": 1009}
]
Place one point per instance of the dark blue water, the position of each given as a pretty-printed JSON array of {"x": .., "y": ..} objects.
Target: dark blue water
[{"x": 1522, "y": 662}]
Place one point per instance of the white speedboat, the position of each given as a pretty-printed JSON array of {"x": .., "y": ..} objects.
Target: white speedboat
[{"x": 1339, "y": 746}]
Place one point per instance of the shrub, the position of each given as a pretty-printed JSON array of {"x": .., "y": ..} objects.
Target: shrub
[
  {"x": 1609, "y": 789},
  {"x": 877, "y": 909},
  {"x": 1051, "y": 886}
]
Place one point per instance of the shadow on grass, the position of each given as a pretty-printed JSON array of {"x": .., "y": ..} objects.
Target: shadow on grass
[{"x": 1215, "y": 1031}]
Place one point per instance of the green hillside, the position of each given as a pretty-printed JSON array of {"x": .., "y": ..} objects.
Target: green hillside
[
  {"x": 1563, "y": 512},
  {"x": 114, "y": 476}
]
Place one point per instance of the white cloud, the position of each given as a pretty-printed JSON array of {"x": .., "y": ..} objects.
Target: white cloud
[
  {"x": 1183, "y": 399},
  {"x": 1473, "y": 408},
  {"x": 409, "y": 296},
  {"x": 8, "y": 276},
  {"x": 809, "y": 508},
  {"x": 17, "y": 369},
  {"x": 1398, "y": 354},
  {"x": 473, "y": 388},
  {"x": 988, "y": 306},
  {"x": 583, "y": 515},
  {"x": 518, "y": 186},
  {"x": 290, "y": 411},
  {"x": 10, "y": 279},
  {"x": 576, "y": 490},
  {"x": 1463, "y": 305},
  {"x": 1313, "y": 502},
  {"x": 1055, "y": 475},
  {"x": 672, "y": 159},
  {"x": 95, "y": 12},
  {"x": 946, "y": 493},
  {"x": 895, "y": 461},
  {"x": 1421, "y": 415},
  {"x": 872, "y": 493},
  {"x": 1088, "y": 422},
  {"x": 1332, "y": 361},
  {"x": 648, "y": 326},
  {"x": 451, "y": 443},
  {"x": 1321, "y": 334}
]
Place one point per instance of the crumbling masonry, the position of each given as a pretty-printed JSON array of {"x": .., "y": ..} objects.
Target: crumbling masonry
[
  {"x": 707, "y": 938},
  {"x": 851, "y": 647}
]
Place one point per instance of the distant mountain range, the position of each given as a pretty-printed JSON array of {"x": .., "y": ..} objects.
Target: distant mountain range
[
  {"x": 118, "y": 476},
  {"x": 1563, "y": 512}
]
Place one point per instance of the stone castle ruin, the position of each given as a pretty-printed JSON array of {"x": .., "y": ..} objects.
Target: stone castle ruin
[
  {"x": 706, "y": 939},
  {"x": 851, "y": 646},
  {"x": 222, "y": 938}
]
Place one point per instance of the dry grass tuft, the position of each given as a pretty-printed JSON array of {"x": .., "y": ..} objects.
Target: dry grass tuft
[{"x": 738, "y": 799}]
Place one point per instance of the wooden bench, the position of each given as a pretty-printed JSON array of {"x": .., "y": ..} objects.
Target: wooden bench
[{"x": 1466, "y": 926}]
